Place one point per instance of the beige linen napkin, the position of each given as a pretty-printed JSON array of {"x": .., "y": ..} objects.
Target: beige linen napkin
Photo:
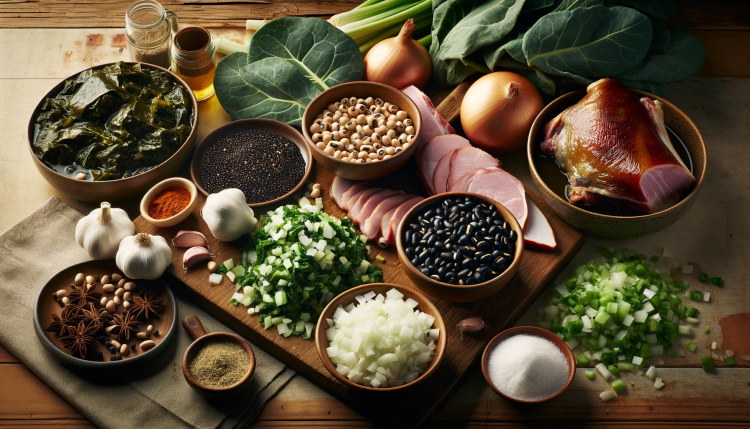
[{"x": 158, "y": 396}]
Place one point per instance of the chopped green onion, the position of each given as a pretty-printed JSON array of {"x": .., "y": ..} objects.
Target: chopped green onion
[
  {"x": 716, "y": 281},
  {"x": 582, "y": 360},
  {"x": 729, "y": 360},
  {"x": 691, "y": 346},
  {"x": 380, "y": 258},
  {"x": 695, "y": 295},
  {"x": 619, "y": 385},
  {"x": 592, "y": 374},
  {"x": 707, "y": 363},
  {"x": 691, "y": 312},
  {"x": 613, "y": 369},
  {"x": 654, "y": 259},
  {"x": 703, "y": 278},
  {"x": 707, "y": 330}
]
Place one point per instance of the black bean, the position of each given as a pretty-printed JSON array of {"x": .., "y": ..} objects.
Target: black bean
[
  {"x": 415, "y": 227},
  {"x": 409, "y": 252},
  {"x": 441, "y": 233},
  {"x": 479, "y": 277},
  {"x": 429, "y": 261},
  {"x": 407, "y": 236},
  {"x": 464, "y": 239},
  {"x": 464, "y": 273},
  {"x": 429, "y": 213},
  {"x": 447, "y": 256},
  {"x": 484, "y": 270},
  {"x": 450, "y": 275},
  {"x": 414, "y": 239},
  {"x": 419, "y": 249},
  {"x": 424, "y": 271},
  {"x": 484, "y": 246},
  {"x": 435, "y": 277},
  {"x": 424, "y": 255},
  {"x": 467, "y": 263},
  {"x": 433, "y": 239},
  {"x": 415, "y": 262}
]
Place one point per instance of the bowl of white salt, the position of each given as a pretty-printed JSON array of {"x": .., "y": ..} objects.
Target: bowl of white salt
[{"x": 528, "y": 364}]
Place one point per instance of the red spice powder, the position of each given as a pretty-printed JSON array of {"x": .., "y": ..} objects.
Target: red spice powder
[
  {"x": 736, "y": 331},
  {"x": 169, "y": 202}
]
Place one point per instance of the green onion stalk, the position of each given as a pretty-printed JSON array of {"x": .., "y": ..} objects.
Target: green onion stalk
[{"x": 377, "y": 20}]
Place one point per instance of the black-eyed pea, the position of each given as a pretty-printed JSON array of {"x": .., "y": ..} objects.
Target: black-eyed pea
[
  {"x": 362, "y": 161},
  {"x": 403, "y": 138},
  {"x": 354, "y": 159},
  {"x": 316, "y": 137},
  {"x": 410, "y": 130},
  {"x": 377, "y": 146},
  {"x": 373, "y": 155},
  {"x": 336, "y": 136},
  {"x": 390, "y": 150},
  {"x": 400, "y": 127},
  {"x": 343, "y": 120},
  {"x": 360, "y": 101},
  {"x": 346, "y": 159},
  {"x": 401, "y": 115},
  {"x": 320, "y": 145},
  {"x": 405, "y": 146},
  {"x": 328, "y": 119},
  {"x": 386, "y": 140},
  {"x": 334, "y": 144},
  {"x": 369, "y": 100},
  {"x": 327, "y": 138},
  {"x": 362, "y": 119},
  {"x": 386, "y": 105},
  {"x": 332, "y": 107},
  {"x": 368, "y": 130},
  {"x": 411, "y": 138},
  {"x": 366, "y": 148},
  {"x": 367, "y": 141},
  {"x": 398, "y": 149},
  {"x": 362, "y": 108},
  {"x": 381, "y": 153},
  {"x": 344, "y": 101},
  {"x": 378, "y": 102},
  {"x": 387, "y": 157},
  {"x": 325, "y": 126},
  {"x": 393, "y": 109},
  {"x": 381, "y": 123},
  {"x": 391, "y": 124},
  {"x": 381, "y": 129},
  {"x": 350, "y": 148},
  {"x": 351, "y": 111},
  {"x": 343, "y": 132},
  {"x": 395, "y": 143},
  {"x": 329, "y": 150},
  {"x": 336, "y": 155},
  {"x": 362, "y": 155},
  {"x": 372, "y": 122},
  {"x": 334, "y": 126},
  {"x": 361, "y": 135},
  {"x": 352, "y": 101},
  {"x": 391, "y": 134},
  {"x": 408, "y": 122},
  {"x": 351, "y": 125},
  {"x": 360, "y": 127},
  {"x": 367, "y": 160}
]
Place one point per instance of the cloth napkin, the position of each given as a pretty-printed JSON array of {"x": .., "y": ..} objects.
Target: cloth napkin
[{"x": 38, "y": 247}]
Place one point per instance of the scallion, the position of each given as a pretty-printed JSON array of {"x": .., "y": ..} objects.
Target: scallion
[
  {"x": 716, "y": 281},
  {"x": 729, "y": 360},
  {"x": 619, "y": 385},
  {"x": 707, "y": 363},
  {"x": 703, "y": 278},
  {"x": 592, "y": 374},
  {"x": 691, "y": 346}
]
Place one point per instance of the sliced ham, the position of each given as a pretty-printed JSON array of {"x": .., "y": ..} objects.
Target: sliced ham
[
  {"x": 468, "y": 159},
  {"x": 351, "y": 194},
  {"x": 441, "y": 173},
  {"x": 538, "y": 233},
  {"x": 390, "y": 233},
  {"x": 385, "y": 222},
  {"x": 499, "y": 185},
  {"x": 369, "y": 205},
  {"x": 357, "y": 201},
  {"x": 370, "y": 225},
  {"x": 430, "y": 154},
  {"x": 339, "y": 187},
  {"x": 433, "y": 124}
]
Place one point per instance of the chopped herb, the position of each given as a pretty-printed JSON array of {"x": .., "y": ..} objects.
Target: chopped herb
[
  {"x": 619, "y": 385},
  {"x": 582, "y": 360},
  {"x": 592, "y": 374},
  {"x": 695, "y": 295},
  {"x": 716, "y": 281},
  {"x": 380, "y": 258},
  {"x": 691, "y": 312},
  {"x": 654, "y": 259},
  {"x": 703, "y": 278},
  {"x": 691, "y": 346},
  {"x": 707, "y": 363},
  {"x": 707, "y": 330},
  {"x": 613, "y": 369},
  {"x": 730, "y": 361}
]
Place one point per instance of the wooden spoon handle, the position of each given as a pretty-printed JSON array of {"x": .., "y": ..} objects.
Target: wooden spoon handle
[{"x": 194, "y": 327}]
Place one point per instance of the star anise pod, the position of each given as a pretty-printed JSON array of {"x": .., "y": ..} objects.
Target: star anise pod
[
  {"x": 79, "y": 338},
  {"x": 123, "y": 325},
  {"x": 69, "y": 316},
  {"x": 144, "y": 306},
  {"x": 99, "y": 316},
  {"x": 79, "y": 296}
]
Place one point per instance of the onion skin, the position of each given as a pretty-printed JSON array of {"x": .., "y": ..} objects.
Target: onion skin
[
  {"x": 498, "y": 111},
  {"x": 399, "y": 61}
]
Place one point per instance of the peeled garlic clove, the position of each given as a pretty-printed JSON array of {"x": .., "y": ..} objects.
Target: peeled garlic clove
[
  {"x": 189, "y": 239},
  {"x": 194, "y": 255}
]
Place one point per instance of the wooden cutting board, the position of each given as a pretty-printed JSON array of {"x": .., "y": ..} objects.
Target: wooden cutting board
[{"x": 408, "y": 407}]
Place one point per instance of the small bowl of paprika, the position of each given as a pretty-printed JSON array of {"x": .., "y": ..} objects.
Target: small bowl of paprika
[{"x": 169, "y": 202}]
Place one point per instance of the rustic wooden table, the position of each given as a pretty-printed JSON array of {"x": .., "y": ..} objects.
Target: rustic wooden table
[{"x": 42, "y": 42}]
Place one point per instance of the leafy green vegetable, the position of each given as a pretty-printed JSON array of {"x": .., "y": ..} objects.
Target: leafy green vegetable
[
  {"x": 679, "y": 58},
  {"x": 115, "y": 122},
  {"x": 512, "y": 44},
  {"x": 533, "y": 5},
  {"x": 656, "y": 8},
  {"x": 589, "y": 42},
  {"x": 290, "y": 61},
  {"x": 575, "y": 4},
  {"x": 296, "y": 262}
]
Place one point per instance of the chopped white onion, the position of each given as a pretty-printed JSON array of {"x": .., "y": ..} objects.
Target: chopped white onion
[
  {"x": 215, "y": 278},
  {"x": 687, "y": 269},
  {"x": 706, "y": 296},
  {"x": 658, "y": 383},
  {"x": 651, "y": 373}
]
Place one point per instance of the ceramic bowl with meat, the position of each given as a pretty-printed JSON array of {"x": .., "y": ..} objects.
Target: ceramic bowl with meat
[{"x": 616, "y": 162}]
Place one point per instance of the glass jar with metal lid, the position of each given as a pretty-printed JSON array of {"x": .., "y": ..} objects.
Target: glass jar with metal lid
[{"x": 148, "y": 29}]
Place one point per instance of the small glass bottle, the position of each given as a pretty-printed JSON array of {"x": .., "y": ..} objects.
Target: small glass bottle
[
  {"x": 148, "y": 29},
  {"x": 194, "y": 60}
]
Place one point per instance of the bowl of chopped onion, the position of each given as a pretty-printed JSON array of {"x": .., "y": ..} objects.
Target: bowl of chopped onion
[{"x": 397, "y": 330}]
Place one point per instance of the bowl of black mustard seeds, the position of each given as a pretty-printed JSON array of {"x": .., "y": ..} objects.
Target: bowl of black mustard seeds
[{"x": 266, "y": 159}]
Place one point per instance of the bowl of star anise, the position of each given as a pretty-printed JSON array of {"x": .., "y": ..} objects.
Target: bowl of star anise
[{"x": 90, "y": 316}]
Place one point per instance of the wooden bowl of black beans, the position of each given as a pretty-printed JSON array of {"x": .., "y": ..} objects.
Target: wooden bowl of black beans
[{"x": 459, "y": 247}]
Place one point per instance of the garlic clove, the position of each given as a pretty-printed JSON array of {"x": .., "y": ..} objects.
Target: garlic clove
[
  {"x": 189, "y": 239},
  {"x": 194, "y": 255}
]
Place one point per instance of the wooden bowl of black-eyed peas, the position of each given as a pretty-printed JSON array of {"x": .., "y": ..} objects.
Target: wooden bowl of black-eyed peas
[{"x": 362, "y": 130}]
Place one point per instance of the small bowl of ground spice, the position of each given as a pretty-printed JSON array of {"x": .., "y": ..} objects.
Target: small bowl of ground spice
[
  {"x": 218, "y": 365},
  {"x": 169, "y": 202}
]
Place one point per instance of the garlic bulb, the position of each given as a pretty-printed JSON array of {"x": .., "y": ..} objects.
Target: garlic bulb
[
  {"x": 101, "y": 231},
  {"x": 143, "y": 256},
  {"x": 228, "y": 215}
]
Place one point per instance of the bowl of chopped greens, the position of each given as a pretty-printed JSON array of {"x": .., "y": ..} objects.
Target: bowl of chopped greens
[
  {"x": 113, "y": 131},
  {"x": 297, "y": 261}
]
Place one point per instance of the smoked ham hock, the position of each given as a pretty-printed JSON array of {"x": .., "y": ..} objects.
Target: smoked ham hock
[{"x": 611, "y": 144}]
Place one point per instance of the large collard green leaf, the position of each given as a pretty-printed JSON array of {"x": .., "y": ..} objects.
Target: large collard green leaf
[
  {"x": 575, "y": 4},
  {"x": 651, "y": 87},
  {"x": 681, "y": 57},
  {"x": 512, "y": 44},
  {"x": 290, "y": 61},
  {"x": 588, "y": 42},
  {"x": 485, "y": 24},
  {"x": 656, "y": 8},
  {"x": 532, "y": 5},
  {"x": 444, "y": 18}
]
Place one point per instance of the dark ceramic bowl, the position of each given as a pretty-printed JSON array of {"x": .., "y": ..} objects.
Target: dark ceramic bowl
[
  {"x": 446, "y": 291},
  {"x": 618, "y": 227},
  {"x": 423, "y": 304},
  {"x": 45, "y": 306},
  {"x": 239, "y": 125},
  {"x": 539, "y": 332},
  {"x": 120, "y": 189}
]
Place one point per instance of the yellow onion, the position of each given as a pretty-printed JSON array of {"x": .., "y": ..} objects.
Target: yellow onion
[
  {"x": 498, "y": 110},
  {"x": 399, "y": 61}
]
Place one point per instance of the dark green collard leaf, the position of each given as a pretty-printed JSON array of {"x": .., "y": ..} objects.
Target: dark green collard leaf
[
  {"x": 512, "y": 44},
  {"x": 575, "y": 4},
  {"x": 485, "y": 24},
  {"x": 682, "y": 57},
  {"x": 651, "y": 87},
  {"x": 540, "y": 79},
  {"x": 656, "y": 8},
  {"x": 532, "y": 5},
  {"x": 446, "y": 15},
  {"x": 451, "y": 72},
  {"x": 588, "y": 42},
  {"x": 290, "y": 60}
]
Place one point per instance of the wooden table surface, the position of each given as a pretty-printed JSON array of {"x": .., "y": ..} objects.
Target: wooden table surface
[{"x": 42, "y": 42}]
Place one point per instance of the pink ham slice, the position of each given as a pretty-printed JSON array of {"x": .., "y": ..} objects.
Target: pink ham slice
[
  {"x": 385, "y": 222},
  {"x": 430, "y": 154},
  {"x": 538, "y": 233},
  {"x": 370, "y": 204},
  {"x": 441, "y": 173},
  {"x": 390, "y": 233},
  {"x": 468, "y": 159},
  {"x": 339, "y": 187},
  {"x": 370, "y": 225},
  {"x": 433, "y": 124},
  {"x": 357, "y": 201},
  {"x": 350, "y": 195},
  {"x": 499, "y": 185}
]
